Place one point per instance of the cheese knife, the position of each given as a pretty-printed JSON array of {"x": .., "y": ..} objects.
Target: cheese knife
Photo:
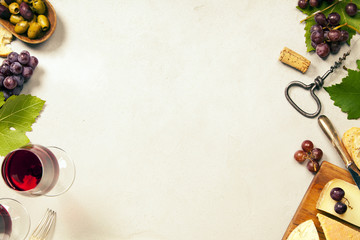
[{"x": 331, "y": 133}]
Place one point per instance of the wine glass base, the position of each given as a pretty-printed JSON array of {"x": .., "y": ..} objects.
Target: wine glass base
[{"x": 66, "y": 172}]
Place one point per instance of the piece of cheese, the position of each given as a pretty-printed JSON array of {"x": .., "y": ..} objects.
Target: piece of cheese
[
  {"x": 304, "y": 231},
  {"x": 5, "y": 40},
  {"x": 335, "y": 230},
  {"x": 351, "y": 141},
  {"x": 352, "y": 194}
]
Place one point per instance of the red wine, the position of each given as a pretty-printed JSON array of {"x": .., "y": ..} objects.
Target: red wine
[
  {"x": 32, "y": 167},
  {"x": 5, "y": 223}
]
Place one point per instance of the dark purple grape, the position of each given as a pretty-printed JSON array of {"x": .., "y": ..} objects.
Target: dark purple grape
[
  {"x": 16, "y": 68},
  {"x": 334, "y": 18},
  {"x": 33, "y": 62},
  {"x": 322, "y": 50},
  {"x": 335, "y": 47},
  {"x": 313, "y": 166},
  {"x": 326, "y": 35},
  {"x": 17, "y": 90},
  {"x": 27, "y": 72},
  {"x": 9, "y": 83},
  {"x": 334, "y": 35},
  {"x": 320, "y": 19},
  {"x": 5, "y": 69},
  {"x": 4, "y": 12},
  {"x": 302, "y": 4},
  {"x": 13, "y": 57},
  {"x": 1, "y": 80},
  {"x": 344, "y": 36},
  {"x": 24, "y": 57},
  {"x": 317, "y": 37},
  {"x": 19, "y": 79},
  {"x": 7, "y": 94},
  {"x": 6, "y": 61},
  {"x": 314, "y": 3},
  {"x": 337, "y": 193},
  {"x": 300, "y": 156},
  {"x": 316, "y": 154},
  {"x": 316, "y": 28},
  {"x": 307, "y": 146},
  {"x": 313, "y": 44},
  {"x": 340, "y": 207},
  {"x": 351, "y": 9}
]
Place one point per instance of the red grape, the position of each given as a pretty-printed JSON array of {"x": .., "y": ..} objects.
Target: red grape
[
  {"x": 300, "y": 156},
  {"x": 316, "y": 154},
  {"x": 307, "y": 146},
  {"x": 313, "y": 166}
]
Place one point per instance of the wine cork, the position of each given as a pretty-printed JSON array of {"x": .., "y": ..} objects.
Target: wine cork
[{"x": 294, "y": 60}]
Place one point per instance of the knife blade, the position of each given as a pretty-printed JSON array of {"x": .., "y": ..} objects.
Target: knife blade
[{"x": 331, "y": 133}]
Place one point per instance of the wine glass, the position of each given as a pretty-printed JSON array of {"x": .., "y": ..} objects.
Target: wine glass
[
  {"x": 35, "y": 170},
  {"x": 14, "y": 220}
]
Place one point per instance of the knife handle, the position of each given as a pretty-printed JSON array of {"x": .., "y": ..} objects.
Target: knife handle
[{"x": 331, "y": 133}]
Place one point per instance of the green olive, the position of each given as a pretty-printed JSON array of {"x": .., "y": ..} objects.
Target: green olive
[
  {"x": 14, "y": 8},
  {"x": 21, "y": 27},
  {"x": 44, "y": 22},
  {"x": 19, "y": 1},
  {"x": 34, "y": 30},
  {"x": 28, "y": 1},
  {"x": 14, "y": 19},
  {"x": 39, "y": 6}
]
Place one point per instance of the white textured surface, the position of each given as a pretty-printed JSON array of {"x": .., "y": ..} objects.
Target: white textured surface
[{"x": 174, "y": 112}]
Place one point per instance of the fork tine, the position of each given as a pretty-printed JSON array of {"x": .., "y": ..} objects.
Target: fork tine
[{"x": 44, "y": 226}]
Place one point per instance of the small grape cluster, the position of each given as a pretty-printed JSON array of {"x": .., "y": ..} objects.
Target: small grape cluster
[
  {"x": 313, "y": 3},
  {"x": 308, "y": 152},
  {"x": 15, "y": 70},
  {"x": 341, "y": 205},
  {"x": 326, "y": 35}
]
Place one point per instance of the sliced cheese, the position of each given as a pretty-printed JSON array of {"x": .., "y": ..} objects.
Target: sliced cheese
[
  {"x": 5, "y": 40},
  {"x": 335, "y": 230},
  {"x": 352, "y": 194},
  {"x": 351, "y": 141},
  {"x": 304, "y": 231}
]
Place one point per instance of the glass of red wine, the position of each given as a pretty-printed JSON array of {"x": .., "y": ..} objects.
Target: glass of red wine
[
  {"x": 35, "y": 170},
  {"x": 14, "y": 220}
]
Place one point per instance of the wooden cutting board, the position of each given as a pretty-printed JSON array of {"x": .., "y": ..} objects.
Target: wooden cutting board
[{"x": 307, "y": 208}]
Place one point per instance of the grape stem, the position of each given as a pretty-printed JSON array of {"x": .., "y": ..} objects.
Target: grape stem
[
  {"x": 349, "y": 26},
  {"x": 310, "y": 16},
  {"x": 348, "y": 203}
]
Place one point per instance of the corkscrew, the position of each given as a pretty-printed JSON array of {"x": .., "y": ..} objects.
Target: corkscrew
[{"x": 316, "y": 85}]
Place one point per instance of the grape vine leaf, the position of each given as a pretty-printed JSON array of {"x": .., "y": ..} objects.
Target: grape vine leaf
[
  {"x": 339, "y": 8},
  {"x": 17, "y": 114},
  {"x": 346, "y": 94}
]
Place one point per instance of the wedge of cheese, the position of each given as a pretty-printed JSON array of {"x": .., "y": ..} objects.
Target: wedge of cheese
[
  {"x": 351, "y": 141},
  {"x": 335, "y": 230},
  {"x": 352, "y": 194},
  {"x": 304, "y": 231}
]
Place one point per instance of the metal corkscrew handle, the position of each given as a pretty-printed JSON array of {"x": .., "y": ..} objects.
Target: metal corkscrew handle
[{"x": 316, "y": 85}]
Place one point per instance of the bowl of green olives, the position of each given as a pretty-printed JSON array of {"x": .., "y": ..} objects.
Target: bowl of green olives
[{"x": 31, "y": 21}]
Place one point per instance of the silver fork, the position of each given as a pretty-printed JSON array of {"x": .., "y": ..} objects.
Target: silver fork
[{"x": 44, "y": 227}]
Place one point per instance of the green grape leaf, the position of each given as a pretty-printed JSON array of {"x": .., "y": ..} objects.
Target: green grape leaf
[
  {"x": 339, "y": 8},
  {"x": 17, "y": 114},
  {"x": 2, "y": 100},
  {"x": 346, "y": 94}
]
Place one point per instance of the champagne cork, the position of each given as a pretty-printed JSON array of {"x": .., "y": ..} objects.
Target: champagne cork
[{"x": 294, "y": 60}]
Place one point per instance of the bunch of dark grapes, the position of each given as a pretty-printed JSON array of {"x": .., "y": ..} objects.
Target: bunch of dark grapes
[
  {"x": 313, "y": 3},
  {"x": 341, "y": 205},
  {"x": 16, "y": 70},
  {"x": 308, "y": 152},
  {"x": 326, "y": 35}
]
